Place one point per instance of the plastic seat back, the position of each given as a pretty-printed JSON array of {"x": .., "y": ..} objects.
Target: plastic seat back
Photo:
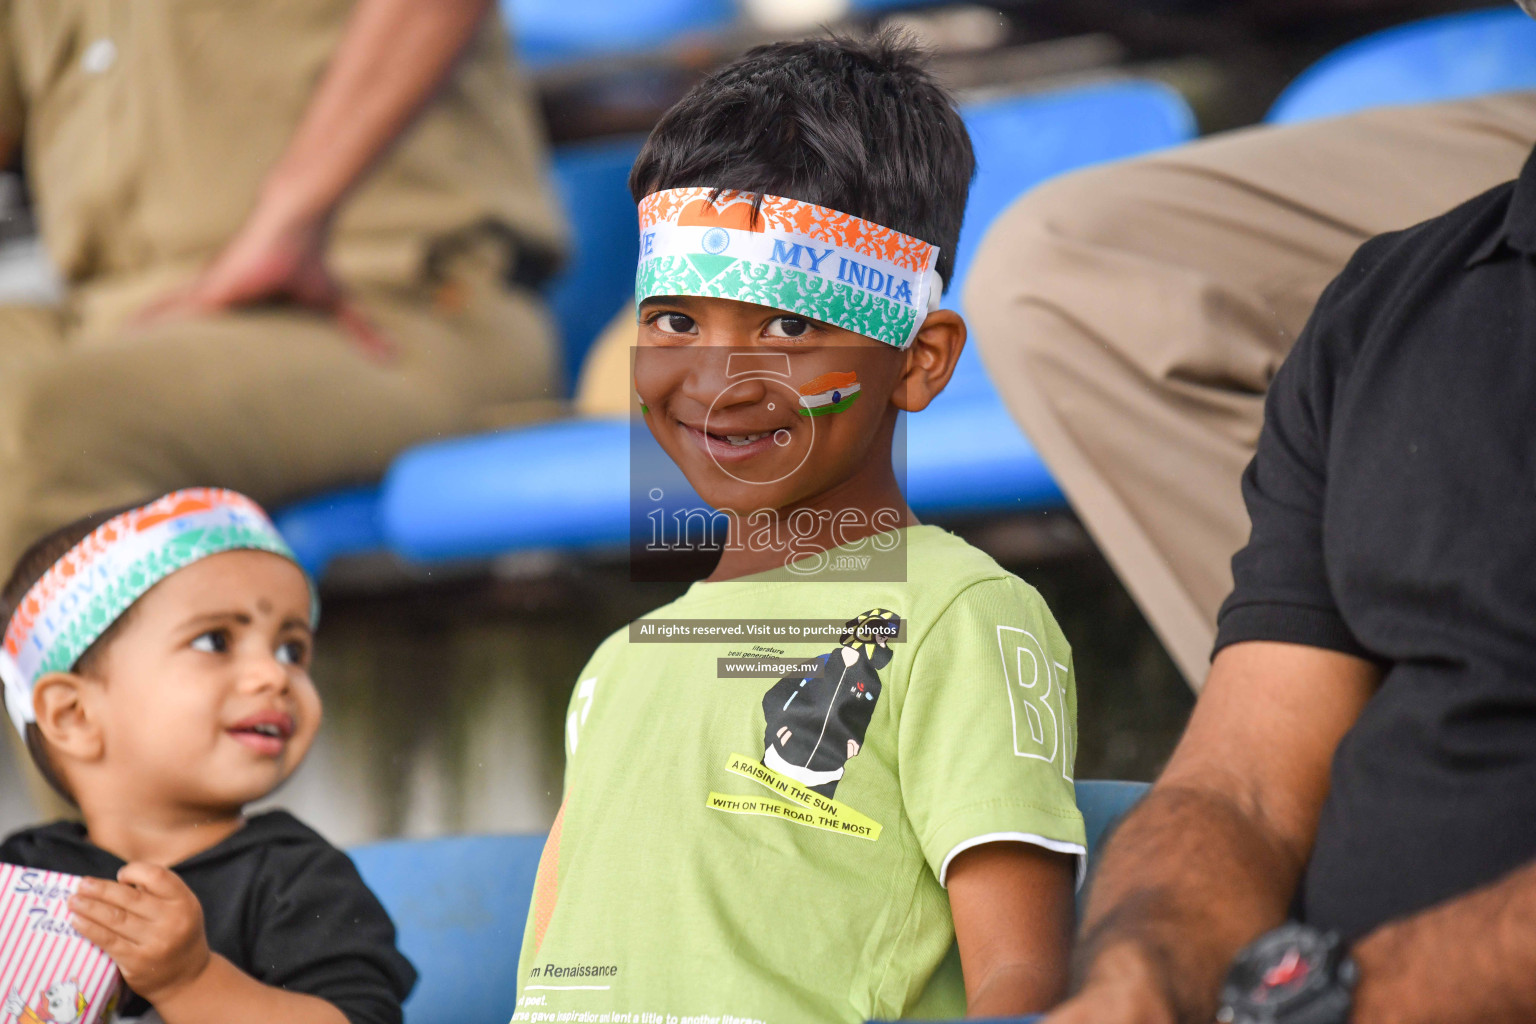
[
  {"x": 1103, "y": 803},
  {"x": 592, "y": 180},
  {"x": 1444, "y": 58},
  {"x": 550, "y": 31},
  {"x": 1022, "y": 141},
  {"x": 459, "y": 905},
  {"x": 329, "y": 525}
]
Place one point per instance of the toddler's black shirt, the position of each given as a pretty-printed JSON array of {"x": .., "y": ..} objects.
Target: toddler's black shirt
[
  {"x": 1393, "y": 501},
  {"x": 279, "y": 902}
]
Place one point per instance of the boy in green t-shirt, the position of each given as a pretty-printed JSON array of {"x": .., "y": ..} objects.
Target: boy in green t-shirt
[{"x": 867, "y": 811}]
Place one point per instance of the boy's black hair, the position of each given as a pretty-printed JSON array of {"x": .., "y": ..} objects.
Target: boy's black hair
[
  {"x": 30, "y": 567},
  {"x": 857, "y": 125}
]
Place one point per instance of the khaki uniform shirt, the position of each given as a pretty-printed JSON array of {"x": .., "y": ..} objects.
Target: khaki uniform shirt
[{"x": 148, "y": 126}]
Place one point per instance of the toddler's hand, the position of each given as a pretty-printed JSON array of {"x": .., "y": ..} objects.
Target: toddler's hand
[{"x": 149, "y": 922}]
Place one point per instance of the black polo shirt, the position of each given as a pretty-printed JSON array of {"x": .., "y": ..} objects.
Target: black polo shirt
[{"x": 1393, "y": 501}]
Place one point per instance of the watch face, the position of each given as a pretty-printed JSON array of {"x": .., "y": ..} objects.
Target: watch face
[{"x": 1282, "y": 972}]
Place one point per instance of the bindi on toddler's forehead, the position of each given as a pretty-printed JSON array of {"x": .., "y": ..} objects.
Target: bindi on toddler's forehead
[{"x": 239, "y": 596}]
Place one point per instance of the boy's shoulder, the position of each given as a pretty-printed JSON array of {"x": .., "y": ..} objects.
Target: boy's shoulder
[
  {"x": 946, "y": 574},
  {"x": 938, "y": 558}
]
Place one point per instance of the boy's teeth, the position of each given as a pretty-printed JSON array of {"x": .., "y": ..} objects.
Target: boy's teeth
[{"x": 744, "y": 438}]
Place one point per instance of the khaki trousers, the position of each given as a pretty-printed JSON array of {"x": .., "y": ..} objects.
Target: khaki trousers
[
  {"x": 1132, "y": 316},
  {"x": 276, "y": 403}
]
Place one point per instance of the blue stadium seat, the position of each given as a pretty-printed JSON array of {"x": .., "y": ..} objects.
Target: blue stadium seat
[
  {"x": 877, "y": 6},
  {"x": 965, "y": 455},
  {"x": 459, "y": 905},
  {"x": 1443, "y": 58},
  {"x": 1103, "y": 803},
  {"x": 1021, "y": 141},
  {"x": 555, "y": 485},
  {"x": 593, "y": 183},
  {"x": 549, "y": 31},
  {"x": 344, "y": 522}
]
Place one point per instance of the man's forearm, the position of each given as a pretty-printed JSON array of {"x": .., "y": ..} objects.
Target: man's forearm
[
  {"x": 391, "y": 59},
  {"x": 1212, "y": 856},
  {"x": 1469, "y": 959},
  {"x": 1189, "y": 880}
]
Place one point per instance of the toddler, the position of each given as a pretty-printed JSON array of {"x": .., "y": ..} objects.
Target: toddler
[{"x": 156, "y": 661}]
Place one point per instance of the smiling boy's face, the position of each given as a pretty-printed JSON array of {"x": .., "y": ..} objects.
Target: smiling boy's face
[{"x": 763, "y": 409}]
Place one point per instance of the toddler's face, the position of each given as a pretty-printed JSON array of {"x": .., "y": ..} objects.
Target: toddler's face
[
  {"x": 723, "y": 383},
  {"x": 205, "y": 692}
]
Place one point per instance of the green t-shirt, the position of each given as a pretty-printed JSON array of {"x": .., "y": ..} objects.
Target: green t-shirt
[{"x": 773, "y": 849}]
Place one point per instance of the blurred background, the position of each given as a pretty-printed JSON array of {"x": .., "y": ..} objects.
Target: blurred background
[{"x": 449, "y": 648}]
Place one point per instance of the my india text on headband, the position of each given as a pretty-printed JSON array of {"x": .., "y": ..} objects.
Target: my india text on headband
[
  {"x": 100, "y": 578},
  {"x": 796, "y": 256}
]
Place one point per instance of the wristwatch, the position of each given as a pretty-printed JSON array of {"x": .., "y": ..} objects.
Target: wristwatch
[{"x": 1295, "y": 974}]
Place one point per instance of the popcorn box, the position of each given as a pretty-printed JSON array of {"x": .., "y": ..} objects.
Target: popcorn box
[{"x": 49, "y": 974}]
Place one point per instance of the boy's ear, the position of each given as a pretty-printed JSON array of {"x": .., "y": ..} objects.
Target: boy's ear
[
  {"x": 62, "y": 703},
  {"x": 931, "y": 360}
]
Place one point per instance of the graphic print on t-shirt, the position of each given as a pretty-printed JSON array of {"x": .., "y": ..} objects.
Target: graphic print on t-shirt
[
  {"x": 813, "y": 726},
  {"x": 816, "y": 724}
]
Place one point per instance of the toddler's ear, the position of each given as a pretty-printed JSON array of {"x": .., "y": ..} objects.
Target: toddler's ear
[
  {"x": 61, "y": 701},
  {"x": 930, "y": 360}
]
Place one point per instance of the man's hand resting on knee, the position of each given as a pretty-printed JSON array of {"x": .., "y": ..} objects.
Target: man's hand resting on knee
[
  {"x": 273, "y": 258},
  {"x": 391, "y": 59}
]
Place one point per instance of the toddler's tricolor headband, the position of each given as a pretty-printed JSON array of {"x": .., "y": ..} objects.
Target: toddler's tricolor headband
[
  {"x": 793, "y": 255},
  {"x": 99, "y": 579}
]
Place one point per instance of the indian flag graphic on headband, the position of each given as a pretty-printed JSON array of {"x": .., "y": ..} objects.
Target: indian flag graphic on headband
[
  {"x": 829, "y": 393},
  {"x": 808, "y": 260}
]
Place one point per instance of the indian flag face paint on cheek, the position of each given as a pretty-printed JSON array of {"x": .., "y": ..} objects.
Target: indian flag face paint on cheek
[{"x": 829, "y": 393}]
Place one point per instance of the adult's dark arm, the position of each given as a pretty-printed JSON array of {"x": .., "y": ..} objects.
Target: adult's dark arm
[{"x": 1211, "y": 857}]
